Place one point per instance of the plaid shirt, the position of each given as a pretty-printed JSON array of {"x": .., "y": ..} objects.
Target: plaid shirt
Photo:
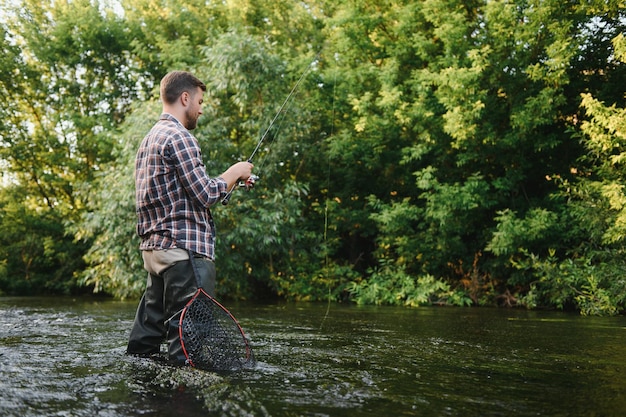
[{"x": 173, "y": 191}]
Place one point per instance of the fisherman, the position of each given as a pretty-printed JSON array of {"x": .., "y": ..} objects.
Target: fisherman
[{"x": 173, "y": 195}]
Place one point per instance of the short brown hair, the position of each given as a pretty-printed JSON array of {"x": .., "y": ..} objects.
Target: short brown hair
[{"x": 177, "y": 82}]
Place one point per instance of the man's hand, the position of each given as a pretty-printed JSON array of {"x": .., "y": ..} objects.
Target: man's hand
[{"x": 239, "y": 171}]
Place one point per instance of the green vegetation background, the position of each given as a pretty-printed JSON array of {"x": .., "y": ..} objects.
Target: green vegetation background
[{"x": 437, "y": 152}]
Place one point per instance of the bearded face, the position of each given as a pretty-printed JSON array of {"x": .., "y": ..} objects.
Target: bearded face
[
  {"x": 191, "y": 119},
  {"x": 194, "y": 110}
]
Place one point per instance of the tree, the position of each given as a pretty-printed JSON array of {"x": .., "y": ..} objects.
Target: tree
[
  {"x": 591, "y": 275},
  {"x": 474, "y": 99},
  {"x": 436, "y": 151},
  {"x": 68, "y": 80}
]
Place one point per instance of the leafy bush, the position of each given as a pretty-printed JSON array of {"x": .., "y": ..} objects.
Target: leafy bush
[{"x": 390, "y": 285}]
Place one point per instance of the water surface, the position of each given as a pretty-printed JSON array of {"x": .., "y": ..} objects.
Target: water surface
[{"x": 65, "y": 357}]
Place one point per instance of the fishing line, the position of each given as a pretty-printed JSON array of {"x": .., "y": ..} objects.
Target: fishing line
[
  {"x": 326, "y": 250},
  {"x": 261, "y": 164},
  {"x": 249, "y": 183}
]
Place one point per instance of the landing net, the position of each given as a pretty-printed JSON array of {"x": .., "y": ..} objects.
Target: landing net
[{"x": 211, "y": 337}]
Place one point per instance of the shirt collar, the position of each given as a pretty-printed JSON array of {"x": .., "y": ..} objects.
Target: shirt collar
[{"x": 168, "y": 116}]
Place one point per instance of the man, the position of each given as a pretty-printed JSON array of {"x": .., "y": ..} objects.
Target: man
[{"x": 173, "y": 196}]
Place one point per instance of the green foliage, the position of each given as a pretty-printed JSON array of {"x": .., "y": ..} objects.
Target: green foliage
[
  {"x": 398, "y": 240},
  {"x": 264, "y": 241},
  {"x": 114, "y": 264},
  {"x": 593, "y": 285},
  {"x": 595, "y": 300},
  {"x": 35, "y": 248},
  {"x": 590, "y": 277},
  {"x": 168, "y": 34},
  {"x": 606, "y": 133},
  {"x": 427, "y": 136},
  {"x": 513, "y": 234},
  {"x": 390, "y": 285},
  {"x": 69, "y": 77}
]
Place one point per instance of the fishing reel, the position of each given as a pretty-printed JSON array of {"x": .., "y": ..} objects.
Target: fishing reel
[{"x": 249, "y": 183}]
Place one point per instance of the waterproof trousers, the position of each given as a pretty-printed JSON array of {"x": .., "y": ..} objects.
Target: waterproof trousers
[{"x": 170, "y": 286}]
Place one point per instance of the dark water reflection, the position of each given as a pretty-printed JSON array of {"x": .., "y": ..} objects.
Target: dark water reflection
[{"x": 65, "y": 357}]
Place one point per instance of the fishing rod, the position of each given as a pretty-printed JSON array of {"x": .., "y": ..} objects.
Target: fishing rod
[{"x": 249, "y": 183}]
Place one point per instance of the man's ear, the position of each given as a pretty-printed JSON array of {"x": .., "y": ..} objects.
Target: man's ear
[{"x": 184, "y": 98}]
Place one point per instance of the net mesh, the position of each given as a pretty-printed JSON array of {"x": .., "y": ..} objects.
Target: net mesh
[{"x": 212, "y": 338}]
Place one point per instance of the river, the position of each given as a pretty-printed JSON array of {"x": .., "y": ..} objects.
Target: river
[{"x": 65, "y": 357}]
